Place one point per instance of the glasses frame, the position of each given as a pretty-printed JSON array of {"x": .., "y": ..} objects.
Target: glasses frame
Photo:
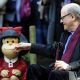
[{"x": 64, "y": 16}]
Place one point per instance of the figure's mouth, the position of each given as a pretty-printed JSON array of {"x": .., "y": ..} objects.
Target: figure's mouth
[{"x": 9, "y": 48}]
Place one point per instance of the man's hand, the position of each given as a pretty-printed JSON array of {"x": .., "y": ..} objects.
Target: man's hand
[
  {"x": 23, "y": 46},
  {"x": 61, "y": 65}
]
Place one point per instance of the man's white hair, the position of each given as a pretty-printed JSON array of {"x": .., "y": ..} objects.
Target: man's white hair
[{"x": 72, "y": 8}]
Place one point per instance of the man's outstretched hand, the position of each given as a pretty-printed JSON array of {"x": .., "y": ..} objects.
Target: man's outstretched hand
[{"x": 23, "y": 46}]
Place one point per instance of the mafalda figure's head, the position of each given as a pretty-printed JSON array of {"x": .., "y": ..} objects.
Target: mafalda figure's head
[{"x": 9, "y": 39}]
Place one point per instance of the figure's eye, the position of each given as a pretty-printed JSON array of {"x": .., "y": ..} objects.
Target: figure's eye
[
  {"x": 7, "y": 41},
  {"x": 13, "y": 41}
]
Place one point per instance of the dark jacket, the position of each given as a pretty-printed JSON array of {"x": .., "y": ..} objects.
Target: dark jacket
[{"x": 50, "y": 51}]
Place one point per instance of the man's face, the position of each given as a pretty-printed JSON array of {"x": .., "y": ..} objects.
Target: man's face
[{"x": 66, "y": 19}]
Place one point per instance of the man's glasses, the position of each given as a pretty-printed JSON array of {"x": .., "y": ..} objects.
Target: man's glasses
[{"x": 64, "y": 16}]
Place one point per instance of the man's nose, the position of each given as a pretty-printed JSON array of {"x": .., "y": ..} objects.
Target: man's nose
[{"x": 61, "y": 21}]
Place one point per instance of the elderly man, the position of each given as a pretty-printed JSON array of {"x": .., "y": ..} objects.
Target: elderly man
[{"x": 66, "y": 54}]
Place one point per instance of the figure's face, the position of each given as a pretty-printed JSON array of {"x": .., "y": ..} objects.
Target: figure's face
[{"x": 8, "y": 46}]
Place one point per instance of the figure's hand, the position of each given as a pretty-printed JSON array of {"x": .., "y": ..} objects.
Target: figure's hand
[
  {"x": 16, "y": 72},
  {"x": 4, "y": 73},
  {"x": 14, "y": 78},
  {"x": 61, "y": 65},
  {"x": 23, "y": 46}
]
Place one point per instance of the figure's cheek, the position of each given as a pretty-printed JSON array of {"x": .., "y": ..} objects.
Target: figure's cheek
[
  {"x": 7, "y": 49},
  {"x": 7, "y": 46}
]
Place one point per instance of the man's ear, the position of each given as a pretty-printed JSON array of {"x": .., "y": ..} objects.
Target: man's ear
[{"x": 73, "y": 16}]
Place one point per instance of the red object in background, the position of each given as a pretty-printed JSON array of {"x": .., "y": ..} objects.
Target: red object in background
[
  {"x": 17, "y": 29},
  {"x": 25, "y": 9}
]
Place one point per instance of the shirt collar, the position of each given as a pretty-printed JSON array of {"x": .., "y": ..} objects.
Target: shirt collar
[{"x": 12, "y": 60}]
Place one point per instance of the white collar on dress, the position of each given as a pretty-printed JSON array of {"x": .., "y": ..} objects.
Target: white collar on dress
[{"x": 10, "y": 60}]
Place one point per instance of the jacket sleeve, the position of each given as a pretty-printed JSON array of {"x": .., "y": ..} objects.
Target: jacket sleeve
[
  {"x": 45, "y": 50},
  {"x": 74, "y": 65},
  {"x": 75, "y": 60}
]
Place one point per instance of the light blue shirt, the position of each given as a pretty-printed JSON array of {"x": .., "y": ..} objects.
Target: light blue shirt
[{"x": 67, "y": 41}]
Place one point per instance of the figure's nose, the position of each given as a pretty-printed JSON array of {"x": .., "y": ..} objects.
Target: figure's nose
[{"x": 10, "y": 43}]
